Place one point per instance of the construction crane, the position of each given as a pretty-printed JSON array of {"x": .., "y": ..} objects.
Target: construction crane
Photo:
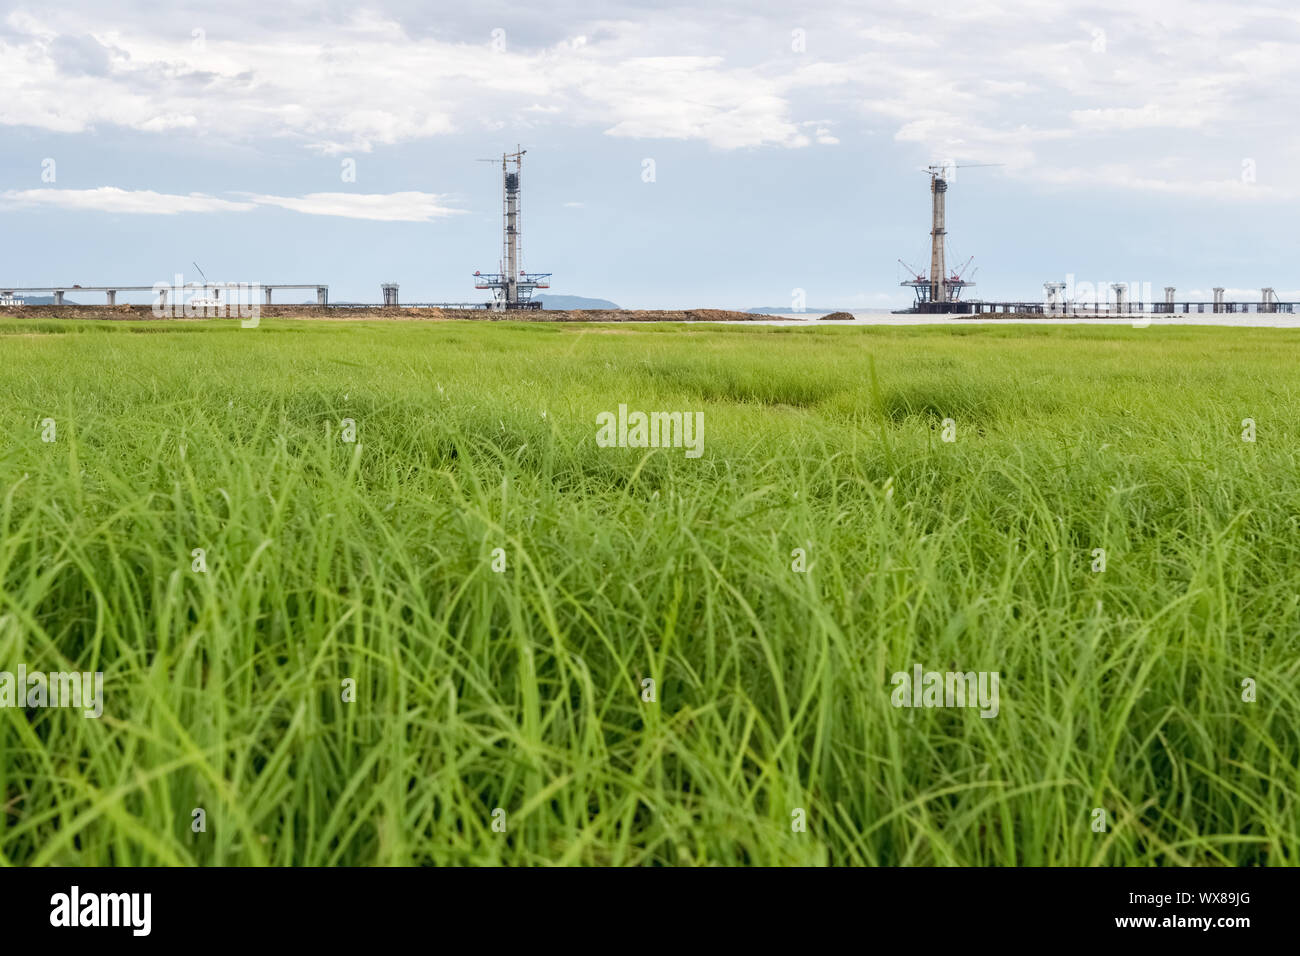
[
  {"x": 957, "y": 273},
  {"x": 918, "y": 276}
]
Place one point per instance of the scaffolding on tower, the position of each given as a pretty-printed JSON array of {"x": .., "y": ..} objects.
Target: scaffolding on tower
[
  {"x": 512, "y": 287},
  {"x": 940, "y": 290}
]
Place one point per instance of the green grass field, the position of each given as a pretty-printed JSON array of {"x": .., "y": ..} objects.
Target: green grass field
[{"x": 522, "y": 689}]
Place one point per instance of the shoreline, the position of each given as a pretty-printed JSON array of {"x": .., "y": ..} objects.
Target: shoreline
[{"x": 144, "y": 313}]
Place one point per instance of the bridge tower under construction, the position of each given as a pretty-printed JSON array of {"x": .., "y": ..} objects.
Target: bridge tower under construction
[{"x": 512, "y": 287}]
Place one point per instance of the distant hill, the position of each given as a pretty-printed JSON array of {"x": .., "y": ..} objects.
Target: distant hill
[{"x": 573, "y": 302}]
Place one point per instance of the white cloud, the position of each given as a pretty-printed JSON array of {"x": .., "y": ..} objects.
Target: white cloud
[
  {"x": 1018, "y": 81},
  {"x": 899, "y": 38},
  {"x": 684, "y": 97},
  {"x": 1123, "y": 176},
  {"x": 367, "y": 82},
  {"x": 382, "y": 207},
  {"x": 114, "y": 200},
  {"x": 1150, "y": 116}
]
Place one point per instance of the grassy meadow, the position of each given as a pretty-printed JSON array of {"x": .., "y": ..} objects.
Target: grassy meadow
[{"x": 372, "y": 563}]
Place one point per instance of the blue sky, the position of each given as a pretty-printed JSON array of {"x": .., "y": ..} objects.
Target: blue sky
[{"x": 1143, "y": 141}]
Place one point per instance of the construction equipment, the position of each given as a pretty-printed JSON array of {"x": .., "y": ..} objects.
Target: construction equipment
[
  {"x": 512, "y": 287},
  {"x": 935, "y": 292}
]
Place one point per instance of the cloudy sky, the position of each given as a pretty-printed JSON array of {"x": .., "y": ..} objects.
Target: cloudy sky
[{"x": 721, "y": 154}]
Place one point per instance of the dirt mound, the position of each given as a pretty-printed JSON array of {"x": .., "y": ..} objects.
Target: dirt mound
[
  {"x": 836, "y": 317},
  {"x": 721, "y": 315}
]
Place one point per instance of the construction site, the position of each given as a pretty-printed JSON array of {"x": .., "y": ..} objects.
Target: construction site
[
  {"x": 940, "y": 292},
  {"x": 510, "y": 286},
  {"x": 937, "y": 291}
]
